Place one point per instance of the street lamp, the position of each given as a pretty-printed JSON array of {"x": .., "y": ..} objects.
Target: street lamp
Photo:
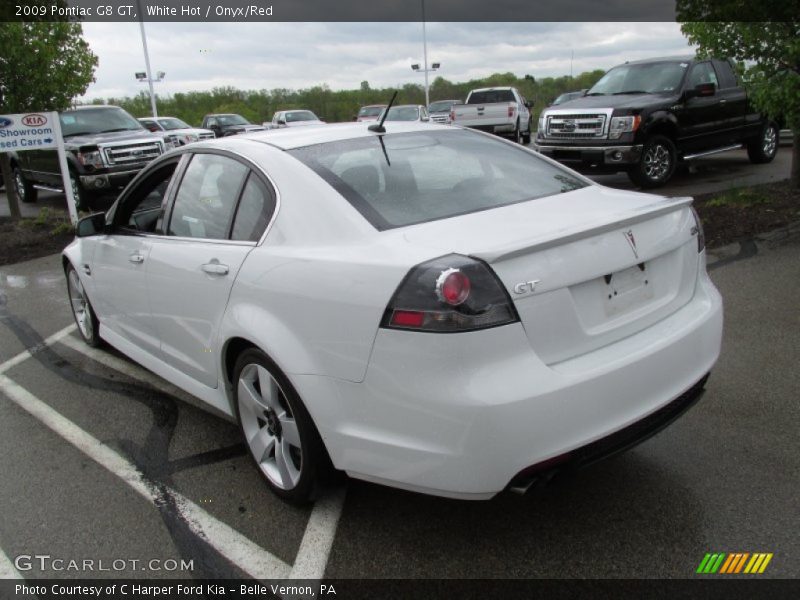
[
  {"x": 435, "y": 66},
  {"x": 148, "y": 75}
]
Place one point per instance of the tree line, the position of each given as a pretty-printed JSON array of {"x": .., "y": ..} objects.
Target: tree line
[{"x": 340, "y": 105}]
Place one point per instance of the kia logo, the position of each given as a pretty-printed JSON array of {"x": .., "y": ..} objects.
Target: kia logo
[
  {"x": 5, "y": 122},
  {"x": 34, "y": 120}
]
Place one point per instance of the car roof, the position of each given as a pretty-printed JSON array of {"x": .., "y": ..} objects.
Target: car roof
[
  {"x": 685, "y": 57},
  {"x": 299, "y": 137},
  {"x": 406, "y": 106},
  {"x": 492, "y": 89},
  {"x": 372, "y": 105}
]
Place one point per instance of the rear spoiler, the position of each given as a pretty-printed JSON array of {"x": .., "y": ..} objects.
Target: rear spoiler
[{"x": 565, "y": 236}]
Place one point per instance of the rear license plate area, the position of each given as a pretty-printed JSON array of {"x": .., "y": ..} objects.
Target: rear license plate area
[{"x": 627, "y": 289}]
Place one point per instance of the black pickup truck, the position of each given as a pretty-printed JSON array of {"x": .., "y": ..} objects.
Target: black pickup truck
[
  {"x": 105, "y": 147},
  {"x": 645, "y": 117},
  {"x": 224, "y": 125}
]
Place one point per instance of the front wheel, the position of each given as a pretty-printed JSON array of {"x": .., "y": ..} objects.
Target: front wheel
[
  {"x": 82, "y": 310},
  {"x": 79, "y": 193},
  {"x": 764, "y": 149},
  {"x": 657, "y": 163},
  {"x": 277, "y": 429},
  {"x": 25, "y": 190}
]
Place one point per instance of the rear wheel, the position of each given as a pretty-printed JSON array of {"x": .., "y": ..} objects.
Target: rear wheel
[
  {"x": 85, "y": 319},
  {"x": 517, "y": 134},
  {"x": 764, "y": 149},
  {"x": 277, "y": 429},
  {"x": 25, "y": 190},
  {"x": 526, "y": 137},
  {"x": 657, "y": 163}
]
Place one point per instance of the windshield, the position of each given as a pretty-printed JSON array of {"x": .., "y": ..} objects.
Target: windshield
[
  {"x": 173, "y": 123},
  {"x": 424, "y": 176},
  {"x": 232, "y": 120},
  {"x": 441, "y": 106},
  {"x": 403, "y": 113},
  {"x": 370, "y": 111},
  {"x": 646, "y": 78},
  {"x": 490, "y": 96},
  {"x": 299, "y": 115},
  {"x": 103, "y": 119}
]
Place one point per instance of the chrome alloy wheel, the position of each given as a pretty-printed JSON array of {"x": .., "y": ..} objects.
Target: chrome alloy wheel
[
  {"x": 657, "y": 162},
  {"x": 269, "y": 427},
  {"x": 770, "y": 141},
  {"x": 80, "y": 306},
  {"x": 19, "y": 185}
]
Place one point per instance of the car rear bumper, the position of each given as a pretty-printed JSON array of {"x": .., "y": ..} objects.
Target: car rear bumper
[
  {"x": 603, "y": 156},
  {"x": 463, "y": 415}
]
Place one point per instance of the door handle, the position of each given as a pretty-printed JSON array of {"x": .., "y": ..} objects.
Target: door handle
[
  {"x": 136, "y": 258},
  {"x": 215, "y": 268},
  {"x": 723, "y": 101}
]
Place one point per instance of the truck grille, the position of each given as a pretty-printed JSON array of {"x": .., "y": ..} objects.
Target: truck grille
[
  {"x": 206, "y": 136},
  {"x": 578, "y": 126},
  {"x": 441, "y": 118},
  {"x": 132, "y": 153}
]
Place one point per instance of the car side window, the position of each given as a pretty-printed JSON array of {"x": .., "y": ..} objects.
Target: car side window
[
  {"x": 211, "y": 122},
  {"x": 206, "y": 198},
  {"x": 256, "y": 207},
  {"x": 702, "y": 73},
  {"x": 144, "y": 205},
  {"x": 727, "y": 78}
]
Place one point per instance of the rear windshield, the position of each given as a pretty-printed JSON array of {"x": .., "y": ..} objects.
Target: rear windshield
[
  {"x": 441, "y": 106},
  {"x": 425, "y": 176},
  {"x": 490, "y": 96},
  {"x": 370, "y": 111},
  {"x": 299, "y": 115}
]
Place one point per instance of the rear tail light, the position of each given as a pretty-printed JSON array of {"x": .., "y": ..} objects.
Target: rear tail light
[
  {"x": 449, "y": 294},
  {"x": 452, "y": 114},
  {"x": 510, "y": 110},
  {"x": 698, "y": 229}
]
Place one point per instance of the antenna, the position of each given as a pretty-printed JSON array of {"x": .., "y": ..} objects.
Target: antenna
[{"x": 378, "y": 127}]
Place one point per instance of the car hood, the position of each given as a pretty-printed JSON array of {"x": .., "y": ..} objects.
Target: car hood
[
  {"x": 118, "y": 136},
  {"x": 621, "y": 101},
  {"x": 499, "y": 232},
  {"x": 304, "y": 123},
  {"x": 189, "y": 130}
]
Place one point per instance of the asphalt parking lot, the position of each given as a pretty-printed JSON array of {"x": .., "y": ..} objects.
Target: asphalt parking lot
[{"x": 102, "y": 461}]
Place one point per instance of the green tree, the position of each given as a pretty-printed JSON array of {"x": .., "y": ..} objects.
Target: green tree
[
  {"x": 766, "y": 41},
  {"x": 43, "y": 66}
]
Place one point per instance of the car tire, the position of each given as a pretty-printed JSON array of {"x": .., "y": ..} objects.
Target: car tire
[
  {"x": 526, "y": 137},
  {"x": 25, "y": 190},
  {"x": 82, "y": 311},
  {"x": 764, "y": 149},
  {"x": 657, "y": 163},
  {"x": 82, "y": 197},
  {"x": 517, "y": 134},
  {"x": 277, "y": 429}
]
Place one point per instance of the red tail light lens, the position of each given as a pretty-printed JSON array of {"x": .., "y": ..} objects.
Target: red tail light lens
[
  {"x": 510, "y": 111},
  {"x": 698, "y": 225},
  {"x": 450, "y": 294}
]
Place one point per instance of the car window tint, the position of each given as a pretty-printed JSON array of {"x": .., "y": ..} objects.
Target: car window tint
[
  {"x": 207, "y": 197},
  {"x": 727, "y": 78},
  {"x": 254, "y": 212},
  {"x": 702, "y": 73},
  {"x": 423, "y": 176},
  {"x": 144, "y": 204}
]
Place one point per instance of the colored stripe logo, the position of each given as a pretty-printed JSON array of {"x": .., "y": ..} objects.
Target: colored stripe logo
[{"x": 734, "y": 563}]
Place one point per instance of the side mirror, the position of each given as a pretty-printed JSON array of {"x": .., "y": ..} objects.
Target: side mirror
[
  {"x": 92, "y": 225},
  {"x": 528, "y": 103},
  {"x": 702, "y": 90}
]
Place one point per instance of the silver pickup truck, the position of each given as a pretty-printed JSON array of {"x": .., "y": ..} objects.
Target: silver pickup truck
[{"x": 499, "y": 110}]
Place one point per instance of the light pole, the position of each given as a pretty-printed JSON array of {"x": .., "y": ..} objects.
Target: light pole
[
  {"x": 147, "y": 63},
  {"x": 425, "y": 68}
]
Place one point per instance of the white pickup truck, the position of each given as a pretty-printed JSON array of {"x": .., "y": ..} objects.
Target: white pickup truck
[{"x": 500, "y": 110}]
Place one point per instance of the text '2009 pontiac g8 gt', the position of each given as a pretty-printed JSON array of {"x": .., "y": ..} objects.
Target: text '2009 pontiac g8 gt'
[{"x": 426, "y": 307}]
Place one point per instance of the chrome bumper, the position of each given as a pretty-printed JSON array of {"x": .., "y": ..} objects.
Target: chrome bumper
[{"x": 607, "y": 155}]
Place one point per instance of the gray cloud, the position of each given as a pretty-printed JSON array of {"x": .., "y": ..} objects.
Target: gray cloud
[{"x": 200, "y": 56}]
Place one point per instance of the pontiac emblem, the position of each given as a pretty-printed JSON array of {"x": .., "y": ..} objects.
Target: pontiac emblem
[{"x": 631, "y": 241}]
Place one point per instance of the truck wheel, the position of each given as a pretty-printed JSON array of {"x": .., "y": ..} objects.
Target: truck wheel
[
  {"x": 657, "y": 163},
  {"x": 80, "y": 194},
  {"x": 517, "y": 134},
  {"x": 25, "y": 190},
  {"x": 765, "y": 147},
  {"x": 526, "y": 137}
]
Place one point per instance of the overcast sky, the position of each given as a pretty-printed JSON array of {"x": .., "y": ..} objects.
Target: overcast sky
[{"x": 254, "y": 56}]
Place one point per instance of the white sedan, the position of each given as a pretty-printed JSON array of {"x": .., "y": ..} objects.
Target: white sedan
[{"x": 430, "y": 308}]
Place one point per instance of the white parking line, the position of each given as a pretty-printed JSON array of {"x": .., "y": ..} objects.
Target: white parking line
[
  {"x": 7, "y": 570},
  {"x": 312, "y": 557},
  {"x": 27, "y": 353},
  {"x": 246, "y": 555}
]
